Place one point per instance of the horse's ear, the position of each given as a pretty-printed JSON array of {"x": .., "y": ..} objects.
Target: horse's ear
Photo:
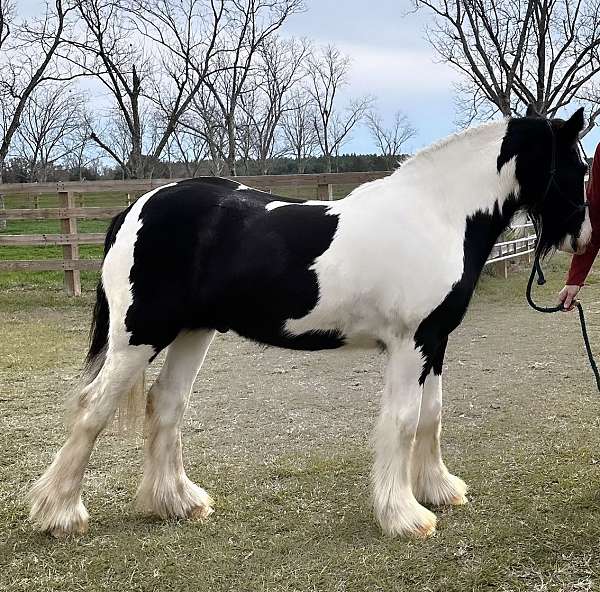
[
  {"x": 572, "y": 127},
  {"x": 532, "y": 111}
]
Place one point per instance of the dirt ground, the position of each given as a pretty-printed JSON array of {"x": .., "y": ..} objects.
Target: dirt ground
[{"x": 280, "y": 439}]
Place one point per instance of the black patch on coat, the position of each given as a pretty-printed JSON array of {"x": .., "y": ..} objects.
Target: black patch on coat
[
  {"x": 209, "y": 257},
  {"x": 481, "y": 232},
  {"x": 437, "y": 362}
]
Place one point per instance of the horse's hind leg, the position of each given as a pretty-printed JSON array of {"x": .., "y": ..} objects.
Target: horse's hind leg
[
  {"x": 432, "y": 483},
  {"x": 56, "y": 505},
  {"x": 165, "y": 489}
]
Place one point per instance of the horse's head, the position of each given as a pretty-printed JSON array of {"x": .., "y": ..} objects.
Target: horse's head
[{"x": 551, "y": 176}]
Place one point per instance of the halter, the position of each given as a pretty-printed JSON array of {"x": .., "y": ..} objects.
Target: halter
[
  {"x": 552, "y": 179},
  {"x": 537, "y": 268}
]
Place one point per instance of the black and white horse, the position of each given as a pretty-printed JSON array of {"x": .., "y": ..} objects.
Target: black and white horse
[{"x": 392, "y": 266}]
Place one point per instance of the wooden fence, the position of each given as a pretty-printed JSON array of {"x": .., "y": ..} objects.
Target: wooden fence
[{"x": 71, "y": 208}]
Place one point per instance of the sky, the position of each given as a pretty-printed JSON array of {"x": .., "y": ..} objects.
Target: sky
[{"x": 391, "y": 60}]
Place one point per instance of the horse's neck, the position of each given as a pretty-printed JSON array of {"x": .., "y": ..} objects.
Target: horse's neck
[
  {"x": 458, "y": 178},
  {"x": 463, "y": 187}
]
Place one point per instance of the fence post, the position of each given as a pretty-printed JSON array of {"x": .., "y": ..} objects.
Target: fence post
[
  {"x": 324, "y": 191},
  {"x": 71, "y": 251},
  {"x": 2, "y": 207},
  {"x": 501, "y": 268}
]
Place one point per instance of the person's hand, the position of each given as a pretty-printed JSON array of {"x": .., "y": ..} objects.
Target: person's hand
[{"x": 567, "y": 297}]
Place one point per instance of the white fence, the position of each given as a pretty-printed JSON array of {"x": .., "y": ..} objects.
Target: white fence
[{"x": 504, "y": 251}]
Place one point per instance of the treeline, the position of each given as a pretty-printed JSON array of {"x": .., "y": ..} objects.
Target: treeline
[{"x": 17, "y": 171}]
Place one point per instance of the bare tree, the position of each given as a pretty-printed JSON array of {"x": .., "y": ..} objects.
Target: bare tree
[
  {"x": 113, "y": 125},
  {"x": 110, "y": 52},
  {"x": 513, "y": 53},
  {"x": 7, "y": 16},
  {"x": 152, "y": 56},
  {"x": 389, "y": 140},
  {"x": 248, "y": 141},
  {"x": 328, "y": 73},
  {"x": 186, "y": 36},
  {"x": 191, "y": 149},
  {"x": 29, "y": 50},
  {"x": 250, "y": 24},
  {"x": 298, "y": 128},
  {"x": 279, "y": 70},
  {"x": 83, "y": 155},
  {"x": 203, "y": 120},
  {"x": 49, "y": 129}
]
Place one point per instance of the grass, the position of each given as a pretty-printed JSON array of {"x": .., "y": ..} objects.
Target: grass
[{"x": 280, "y": 439}]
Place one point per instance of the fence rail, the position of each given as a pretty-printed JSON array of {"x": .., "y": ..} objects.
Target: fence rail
[
  {"x": 504, "y": 251},
  {"x": 70, "y": 209},
  {"x": 61, "y": 213}
]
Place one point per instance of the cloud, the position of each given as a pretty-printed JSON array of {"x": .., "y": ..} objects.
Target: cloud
[{"x": 404, "y": 72}]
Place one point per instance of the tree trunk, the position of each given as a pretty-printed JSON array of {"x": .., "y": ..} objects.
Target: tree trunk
[
  {"x": 136, "y": 165},
  {"x": 2, "y": 206},
  {"x": 231, "y": 152}
]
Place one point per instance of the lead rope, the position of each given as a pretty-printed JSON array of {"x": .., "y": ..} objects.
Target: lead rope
[{"x": 537, "y": 269}]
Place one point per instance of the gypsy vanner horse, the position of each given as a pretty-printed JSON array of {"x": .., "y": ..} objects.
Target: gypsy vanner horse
[{"x": 393, "y": 266}]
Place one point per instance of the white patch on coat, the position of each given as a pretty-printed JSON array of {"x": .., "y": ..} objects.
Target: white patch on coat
[
  {"x": 399, "y": 245},
  {"x": 585, "y": 234},
  {"x": 276, "y": 204},
  {"x": 578, "y": 244},
  {"x": 242, "y": 187},
  {"x": 432, "y": 483}
]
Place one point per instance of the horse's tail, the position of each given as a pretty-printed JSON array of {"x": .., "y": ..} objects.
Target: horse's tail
[{"x": 98, "y": 340}]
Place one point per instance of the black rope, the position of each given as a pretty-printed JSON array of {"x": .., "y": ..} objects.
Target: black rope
[{"x": 536, "y": 269}]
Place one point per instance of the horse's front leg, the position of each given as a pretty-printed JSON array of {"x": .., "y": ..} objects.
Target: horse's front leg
[
  {"x": 432, "y": 483},
  {"x": 396, "y": 508}
]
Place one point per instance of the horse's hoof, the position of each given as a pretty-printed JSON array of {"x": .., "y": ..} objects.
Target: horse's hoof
[
  {"x": 459, "y": 500},
  {"x": 200, "y": 512},
  {"x": 73, "y": 531},
  {"x": 425, "y": 531},
  {"x": 408, "y": 519}
]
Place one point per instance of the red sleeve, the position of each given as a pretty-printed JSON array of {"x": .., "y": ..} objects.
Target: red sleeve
[{"x": 581, "y": 264}]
